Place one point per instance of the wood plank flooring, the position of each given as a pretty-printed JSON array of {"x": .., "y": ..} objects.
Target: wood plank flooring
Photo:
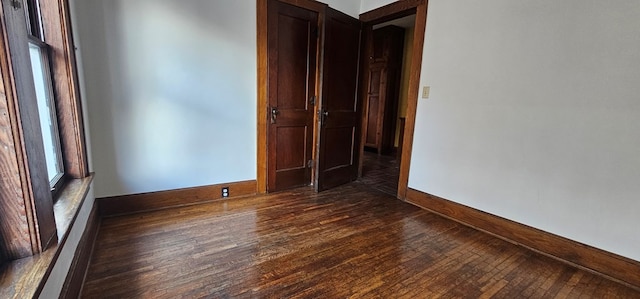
[
  {"x": 381, "y": 172},
  {"x": 351, "y": 241}
]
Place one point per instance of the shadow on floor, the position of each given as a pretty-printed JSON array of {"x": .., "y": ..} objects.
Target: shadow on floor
[{"x": 381, "y": 172}]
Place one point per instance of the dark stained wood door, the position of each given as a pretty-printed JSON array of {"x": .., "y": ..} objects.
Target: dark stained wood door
[
  {"x": 374, "y": 110},
  {"x": 385, "y": 70},
  {"x": 292, "y": 50},
  {"x": 338, "y": 148}
]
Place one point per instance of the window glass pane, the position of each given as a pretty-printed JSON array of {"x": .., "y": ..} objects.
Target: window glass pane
[{"x": 46, "y": 111}]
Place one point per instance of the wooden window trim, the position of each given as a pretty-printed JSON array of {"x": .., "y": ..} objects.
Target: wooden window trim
[
  {"x": 58, "y": 35},
  {"x": 27, "y": 225}
]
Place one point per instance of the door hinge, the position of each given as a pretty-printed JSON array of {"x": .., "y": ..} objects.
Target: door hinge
[
  {"x": 312, "y": 100},
  {"x": 316, "y": 32},
  {"x": 309, "y": 163}
]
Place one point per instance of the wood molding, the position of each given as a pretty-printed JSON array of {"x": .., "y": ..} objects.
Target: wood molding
[
  {"x": 391, "y": 11},
  {"x": 14, "y": 228},
  {"x": 26, "y": 278},
  {"x": 263, "y": 75},
  {"x": 57, "y": 28},
  {"x": 312, "y": 5},
  {"x": 412, "y": 99},
  {"x": 80, "y": 264},
  {"x": 610, "y": 265},
  {"x": 27, "y": 205},
  {"x": 136, "y": 203}
]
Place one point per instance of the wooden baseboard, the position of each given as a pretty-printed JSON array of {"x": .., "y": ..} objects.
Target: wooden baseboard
[
  {"x": 611, "y": 265},
  {"x": 136, "y": 203},
  {"x": 80, "y": 264}
]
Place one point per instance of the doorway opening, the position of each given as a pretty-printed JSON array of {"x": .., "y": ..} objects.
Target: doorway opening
[
  {"x": 332, "y": 119},
  {"x": 385, "y": 108}
]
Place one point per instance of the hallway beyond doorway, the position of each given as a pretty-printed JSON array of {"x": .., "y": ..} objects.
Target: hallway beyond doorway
[{"x": 381, "y": 172}]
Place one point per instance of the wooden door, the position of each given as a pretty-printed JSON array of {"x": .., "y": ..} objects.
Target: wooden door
[
  {"x": 386, "y": 49},
  {"x": 339, "y": 133},
  {"x": 375, "y": 105},
  {"x": 292, "y": 51}
]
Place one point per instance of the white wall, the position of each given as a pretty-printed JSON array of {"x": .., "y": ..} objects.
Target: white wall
[
  {"x": 350, "y": 7},
  {"x": 534, "y": 115},
  {"x": 367, "y": 5},
  {"x": 171, "y": 92}
]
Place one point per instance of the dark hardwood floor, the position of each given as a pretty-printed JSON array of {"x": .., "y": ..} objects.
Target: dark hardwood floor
[
  {"x": 349, "y": 241},
  {"x": 381, "y": 172}
]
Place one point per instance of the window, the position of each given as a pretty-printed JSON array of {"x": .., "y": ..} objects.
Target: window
[
  {"x": 39, "y": 52},
  {"x": 46, "y": 111},
  {"x": 40, "y": 111}
]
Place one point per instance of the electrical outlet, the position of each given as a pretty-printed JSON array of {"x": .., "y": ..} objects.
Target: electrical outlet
[
  {"x": 425, "y": 92},
  {"x": 225, "y": 191}
]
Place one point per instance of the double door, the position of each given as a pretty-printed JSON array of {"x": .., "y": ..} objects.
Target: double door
[{"x": 313, "y": 110}]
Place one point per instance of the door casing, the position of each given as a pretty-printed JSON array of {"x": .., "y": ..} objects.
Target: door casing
[
  {"x": 390, "y": 12},
  {"x": 386, "y": 13}
]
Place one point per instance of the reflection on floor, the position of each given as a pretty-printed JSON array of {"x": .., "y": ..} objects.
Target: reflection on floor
[
  {"x": 381, "y": 172},
  {"x": 347, "y": 242}
]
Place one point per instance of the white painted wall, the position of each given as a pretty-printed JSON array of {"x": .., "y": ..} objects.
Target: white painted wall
[
  {"x": 350, "y": 7},
  {"x": 367, "y": 5},
  {"x": 534, "y": 115},
  {"x": 171, "y": 92}
]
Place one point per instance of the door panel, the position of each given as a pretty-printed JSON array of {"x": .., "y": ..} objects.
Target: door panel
[
  {"x": 292, "y": 60},
  {"x": 372, "y": 125},
  {"x": 340, "y": 151},
  {"x": 290, "y": 157},
  {"x": 339, "y": 131},
  {"x": 292, "y": 51},
  {"x": 375, "y": 105}
]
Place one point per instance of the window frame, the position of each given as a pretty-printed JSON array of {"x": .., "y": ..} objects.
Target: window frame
[
  {"x": 58, "y": 181},
  {"x": 37, "y": 37},
  {"x": 28, "y": 225}
]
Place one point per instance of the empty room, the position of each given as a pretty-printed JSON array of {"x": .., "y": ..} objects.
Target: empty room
[{"x": 319, "y": 149}]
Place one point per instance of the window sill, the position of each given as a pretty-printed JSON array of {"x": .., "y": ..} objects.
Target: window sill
[{"x": 24, "y": 278}]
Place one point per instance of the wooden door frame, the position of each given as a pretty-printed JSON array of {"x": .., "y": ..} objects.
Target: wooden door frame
[
  {"x": 263, "y": 77},
  {"x": 379, "y": 15},
  {"x": 386, "y": 13}
]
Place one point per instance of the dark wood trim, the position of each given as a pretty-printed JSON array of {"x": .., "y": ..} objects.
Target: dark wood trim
[
  {"x": 402, "y": 122},
  {"x": 612, "y": 266},
  {"x": 391, "y": 11},
  {"x": 412, "y": 98},
  {"x": 27, "y": 205},
  {"x": 263, "y": 75},
  {"x": 66, "y": 211},
  {"x": 315, "y": 151},
  {"x": 136, "y": 203},
  {"x": 31, "y": 224},
  {"x": 57, "y": 28},
  {"x": 366, "y": 45},
  {"x": 25, "y": 278},
  {"x": 14, "y": 241},
  {"x": 307, "y": 4},
  {"x": 82, "y": 257},
  {"x": 386, "y": 13}
]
